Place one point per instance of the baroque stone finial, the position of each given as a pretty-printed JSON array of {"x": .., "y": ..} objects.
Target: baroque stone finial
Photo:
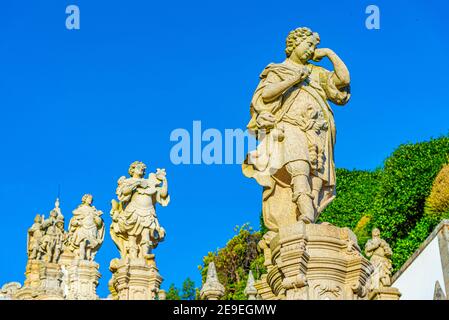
[
  {"x": 295, "y": 127},
  {"x": 250, "y": 289},
  {"x": 212, "y": 289},
  {"x": 379, "y": 252},
  {"x": 8, "y": 290}
]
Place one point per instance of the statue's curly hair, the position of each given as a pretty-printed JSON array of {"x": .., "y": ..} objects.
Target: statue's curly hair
[
  {"x": 295, "y": 37},
  {"x": 133, "y": 166},
  {"x": 83, "y": 199}
]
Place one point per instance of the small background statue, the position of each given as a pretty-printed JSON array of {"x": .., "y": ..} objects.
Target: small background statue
[
  {"x": 86, "y": 230},
  {"x": 35, "y": 234},
  {"x": 379, "y": 252},
  {"x": 52, "y": 242},
  {"x": 135, "y": 228}
]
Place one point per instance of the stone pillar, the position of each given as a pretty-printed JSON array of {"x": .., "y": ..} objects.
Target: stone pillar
[
  {"x": 65, "y": 261},
  {"x": 51, "y": 280},
  {"x": 212, "y": 289},
  {"x": 83, "y": 280},
  {"x": 134, "y": 279},
  {"x": 315, "y": 262},
  {"x": 32, "y": 283}
]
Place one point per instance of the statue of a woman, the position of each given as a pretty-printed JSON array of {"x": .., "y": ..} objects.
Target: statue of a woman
[
  {"x": 294, "y": 124},
  {"x": 86, "y": 230},
  {"x": 135, "y": 228}
]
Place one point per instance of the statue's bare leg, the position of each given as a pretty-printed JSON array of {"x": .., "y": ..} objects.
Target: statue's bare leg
[
  {"x": 302, "y": 191},
  {"x": 317, "y": 185},
  {"x": 146, "y": 243},
  {"x": 83, "y": 249}
]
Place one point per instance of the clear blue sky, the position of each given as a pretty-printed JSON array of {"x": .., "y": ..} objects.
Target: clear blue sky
[{"x": 77, "y": 107}]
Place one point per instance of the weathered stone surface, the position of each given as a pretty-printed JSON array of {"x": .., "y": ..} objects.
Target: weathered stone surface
[
  {"x": 315, "y": 262},
  {"x": 83, "y": 280},
  {"x": 134, "y": 279}
]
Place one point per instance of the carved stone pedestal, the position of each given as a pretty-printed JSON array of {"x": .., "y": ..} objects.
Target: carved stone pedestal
[
  {"x": 388, "y": 293},
  {"x": 314, "y": 262},
  {"x": 43, "y": 282},
  {"x": 264, "y": 289},
  {"x": 51, "y": 280},
  {"x": 32, "y": 282},
  {"x": 83, "y": 280},
  {"x": 134, "y": 279}
]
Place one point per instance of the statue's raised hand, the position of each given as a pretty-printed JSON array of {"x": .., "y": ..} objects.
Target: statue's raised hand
[
  {"x": 161, "y": 174},
  {"x": 320, "y": 54}
]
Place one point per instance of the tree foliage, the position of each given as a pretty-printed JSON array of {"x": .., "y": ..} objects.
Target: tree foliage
[
  {"x": 188, "y": 291},
  {"x": 234, "y": 261},
  {"x": 393, "y": 198}
]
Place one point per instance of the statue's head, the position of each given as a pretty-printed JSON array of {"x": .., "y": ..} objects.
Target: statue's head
[
  {"x": 87, "y": 199},
  {"x": 301, "y": 44},
  {"x": 38, "y": 218},
  {"x": 53, "y": 214},
  {"x": 375, "y": 233},
  {"x": 137, "y": 169},
  {"x": 60, "y": 223}
]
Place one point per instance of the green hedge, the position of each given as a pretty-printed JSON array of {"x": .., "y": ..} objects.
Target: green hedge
[{"x": 392, "y": 197}]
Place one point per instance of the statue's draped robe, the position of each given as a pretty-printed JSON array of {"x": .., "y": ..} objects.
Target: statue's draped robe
[
  {"x": 88, "y": 229},
  {"x": 304, "y": 129}
]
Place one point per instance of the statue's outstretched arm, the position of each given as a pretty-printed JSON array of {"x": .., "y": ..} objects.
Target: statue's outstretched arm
[{"x": 163, "y": 191}]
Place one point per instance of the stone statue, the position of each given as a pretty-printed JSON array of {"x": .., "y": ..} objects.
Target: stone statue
[
  {"x": 293, "y": 121},
  {"x": 212, "y": 289},
  {"x": 35, "y": 234},
  {"x": 135, "y": 228},
  {"x": 52, "y": 242},
  {"x": 379, "y": 252},
  {"x": 86, "y": 230}
]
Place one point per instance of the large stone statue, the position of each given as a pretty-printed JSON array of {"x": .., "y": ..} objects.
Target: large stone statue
[
  {"x": 136, "y": 231},
  {"x": 86, "y": 230},
  {"x": 295, "y": 126},
  {"x": 379, "y": 252},
  {"x": 294, "y": 163},
  {"x": 135, "y": 228}
]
